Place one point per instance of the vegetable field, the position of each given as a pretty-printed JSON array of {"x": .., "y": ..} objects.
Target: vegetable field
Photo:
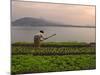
[
  {"x": 52, "y": 57},
  {"x": 53, "y": 50}
]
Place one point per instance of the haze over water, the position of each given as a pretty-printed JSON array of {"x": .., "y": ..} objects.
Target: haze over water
[
  {"x": 58, "y": 13},
  {"x": 25, "y": 34}
]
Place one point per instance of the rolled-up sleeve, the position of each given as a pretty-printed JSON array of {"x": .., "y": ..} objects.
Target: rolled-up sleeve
[{"x": 42, "y": 37}]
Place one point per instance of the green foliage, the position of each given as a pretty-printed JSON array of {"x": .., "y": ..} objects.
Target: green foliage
[
  {"x": 52, "y": 57},
  {"x": 52, "y": 44},
  {"x": 53, "y": 50},
  {"x": 37, "y": 64}
]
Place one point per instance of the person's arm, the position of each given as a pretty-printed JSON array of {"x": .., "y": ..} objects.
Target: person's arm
[{"x": 43, "y": 37}]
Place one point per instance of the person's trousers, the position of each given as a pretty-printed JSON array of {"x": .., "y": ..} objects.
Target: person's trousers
[{"x": 36, "y": 42}]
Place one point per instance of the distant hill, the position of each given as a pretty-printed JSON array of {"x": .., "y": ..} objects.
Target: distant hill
[{"x": 28, "y": 21}]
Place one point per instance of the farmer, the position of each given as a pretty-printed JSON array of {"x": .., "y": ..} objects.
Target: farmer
[{"x": 38, "y": 38}]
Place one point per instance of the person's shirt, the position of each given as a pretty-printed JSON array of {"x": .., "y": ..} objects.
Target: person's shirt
[{"x": 40, "y": 35}]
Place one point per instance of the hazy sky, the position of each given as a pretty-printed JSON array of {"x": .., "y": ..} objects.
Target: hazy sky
[{"x": 60, "y": 13}]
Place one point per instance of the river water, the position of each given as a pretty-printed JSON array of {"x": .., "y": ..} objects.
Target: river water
[{"x": 64, "y": 34}]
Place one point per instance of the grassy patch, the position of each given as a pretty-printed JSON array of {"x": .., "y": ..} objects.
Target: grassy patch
[{"x": 52, "y": 44}]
